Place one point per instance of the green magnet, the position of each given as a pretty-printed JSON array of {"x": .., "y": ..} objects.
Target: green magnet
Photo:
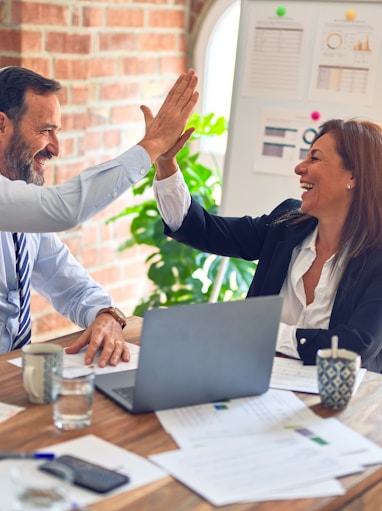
[{"x": 281, "y": 11}]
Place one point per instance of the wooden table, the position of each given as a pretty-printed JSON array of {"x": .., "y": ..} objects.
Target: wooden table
[{"x": 143, "y": 435}]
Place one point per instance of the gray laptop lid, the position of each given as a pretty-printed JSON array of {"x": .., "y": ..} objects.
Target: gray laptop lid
[{"x": 192, "y": 354}]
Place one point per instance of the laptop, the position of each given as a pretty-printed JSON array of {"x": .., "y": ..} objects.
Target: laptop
[{"x": 198, "y": 353}]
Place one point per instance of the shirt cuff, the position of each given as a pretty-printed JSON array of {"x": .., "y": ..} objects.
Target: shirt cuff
[
  {"x": 136, "y": 162},
  {"x": 168, "y": 184},
  {"x": 287, "y": 341},
  {"x": 173, "y": 199}
]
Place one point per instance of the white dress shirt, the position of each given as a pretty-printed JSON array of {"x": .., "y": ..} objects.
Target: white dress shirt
[
  {"x": 56, "y": 275},
  {"x": 295, "y": 313},
  {"x": 31, "y": 208},
  {"x": 174, "y": 200}
]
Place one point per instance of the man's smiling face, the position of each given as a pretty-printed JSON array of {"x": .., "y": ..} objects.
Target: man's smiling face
[{"x": 27, "y": 145}]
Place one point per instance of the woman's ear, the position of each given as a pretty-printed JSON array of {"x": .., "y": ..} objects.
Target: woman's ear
[{"x": 351, "y": 183}]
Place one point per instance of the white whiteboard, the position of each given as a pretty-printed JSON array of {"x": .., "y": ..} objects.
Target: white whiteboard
[{"x": 318, "y": 60}]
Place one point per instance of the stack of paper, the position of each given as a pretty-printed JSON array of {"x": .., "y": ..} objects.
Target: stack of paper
[
  {"x": 74, "y": 364},
  {"x": 291, "y": 374},
  {"x": 261, "y": 448}
]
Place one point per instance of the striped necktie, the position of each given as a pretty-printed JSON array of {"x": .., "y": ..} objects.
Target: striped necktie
[{"x": 22, "y": 270}]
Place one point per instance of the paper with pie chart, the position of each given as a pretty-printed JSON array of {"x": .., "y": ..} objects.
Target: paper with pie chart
[{"x": 346, "y": 53}]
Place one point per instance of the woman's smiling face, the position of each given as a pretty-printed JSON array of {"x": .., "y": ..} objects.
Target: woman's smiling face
[{"x": 327, "y": 184}]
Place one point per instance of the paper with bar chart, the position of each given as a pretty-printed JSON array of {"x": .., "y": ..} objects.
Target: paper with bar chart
[{"x": 345, "y": 58}]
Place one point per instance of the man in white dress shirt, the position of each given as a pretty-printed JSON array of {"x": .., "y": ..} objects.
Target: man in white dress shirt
[{"x": 30, "y": 121}]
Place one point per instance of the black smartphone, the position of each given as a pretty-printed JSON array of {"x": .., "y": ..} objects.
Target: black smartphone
[{"x": 88, "y": 475}]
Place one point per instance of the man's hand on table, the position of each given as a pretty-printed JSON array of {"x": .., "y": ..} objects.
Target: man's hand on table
[{"x": 104, "y": 332}]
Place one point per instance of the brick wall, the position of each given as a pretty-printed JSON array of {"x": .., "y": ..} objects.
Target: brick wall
[{"x": 111, "y": 56}]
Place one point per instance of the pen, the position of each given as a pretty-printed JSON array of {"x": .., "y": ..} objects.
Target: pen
[{"x": 26, "y": 455}]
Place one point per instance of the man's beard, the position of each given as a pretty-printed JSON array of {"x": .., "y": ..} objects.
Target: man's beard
[{"x": 19, "y": 163}]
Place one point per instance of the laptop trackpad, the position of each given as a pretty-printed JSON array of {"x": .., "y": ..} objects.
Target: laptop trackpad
[{"x": 116, "y": 379}]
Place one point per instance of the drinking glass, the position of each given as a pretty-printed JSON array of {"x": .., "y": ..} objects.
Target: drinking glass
[{"x": 73, "y": 400}]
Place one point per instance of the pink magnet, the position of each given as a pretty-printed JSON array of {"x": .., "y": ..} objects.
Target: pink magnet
[{"x": 315, "y": 115}]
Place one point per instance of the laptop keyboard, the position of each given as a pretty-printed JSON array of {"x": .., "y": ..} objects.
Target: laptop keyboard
[{"x": 125, "y": 393}]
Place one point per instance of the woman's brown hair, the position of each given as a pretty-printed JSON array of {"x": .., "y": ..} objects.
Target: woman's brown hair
[{"x": 359, "y": 144}]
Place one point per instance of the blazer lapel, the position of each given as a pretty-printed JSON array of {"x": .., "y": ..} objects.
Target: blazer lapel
[{"x": 274, "y": 263}]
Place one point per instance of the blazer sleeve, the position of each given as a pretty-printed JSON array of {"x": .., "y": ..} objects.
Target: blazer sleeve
[
  {"x": 356, "y": 316},
  {"x": 241, "y": 237}
]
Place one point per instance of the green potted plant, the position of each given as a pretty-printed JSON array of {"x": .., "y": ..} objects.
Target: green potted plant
[{"x": 179, "y": 273}]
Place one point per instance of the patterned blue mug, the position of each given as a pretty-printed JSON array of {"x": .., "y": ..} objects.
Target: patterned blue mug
[{"x": 336, "y": 377}]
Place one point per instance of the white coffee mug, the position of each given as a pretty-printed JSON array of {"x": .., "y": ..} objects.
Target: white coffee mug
[{"x": 40, "y": 362}]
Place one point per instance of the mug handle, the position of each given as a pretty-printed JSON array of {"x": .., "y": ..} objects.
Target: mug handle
[{"x": 28, "y": 381}]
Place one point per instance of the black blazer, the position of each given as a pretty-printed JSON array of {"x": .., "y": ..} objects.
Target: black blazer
[{"x": 356, "y": 316}]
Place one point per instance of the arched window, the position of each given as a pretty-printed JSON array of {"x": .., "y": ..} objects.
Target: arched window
[{"x": 214, "y": 59}]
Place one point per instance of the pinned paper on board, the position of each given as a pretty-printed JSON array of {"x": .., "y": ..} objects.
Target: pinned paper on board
[
  {"x": 285, "y": 138},
  {"x": 345, "y": 55},
  {"x": 275, "y": 51}
]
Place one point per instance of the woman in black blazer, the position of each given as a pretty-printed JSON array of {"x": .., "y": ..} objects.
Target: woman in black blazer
[{"x": 323, "y": 254}]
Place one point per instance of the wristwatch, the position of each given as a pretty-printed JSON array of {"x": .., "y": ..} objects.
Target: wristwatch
[{"x": 117, "y": 314}]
